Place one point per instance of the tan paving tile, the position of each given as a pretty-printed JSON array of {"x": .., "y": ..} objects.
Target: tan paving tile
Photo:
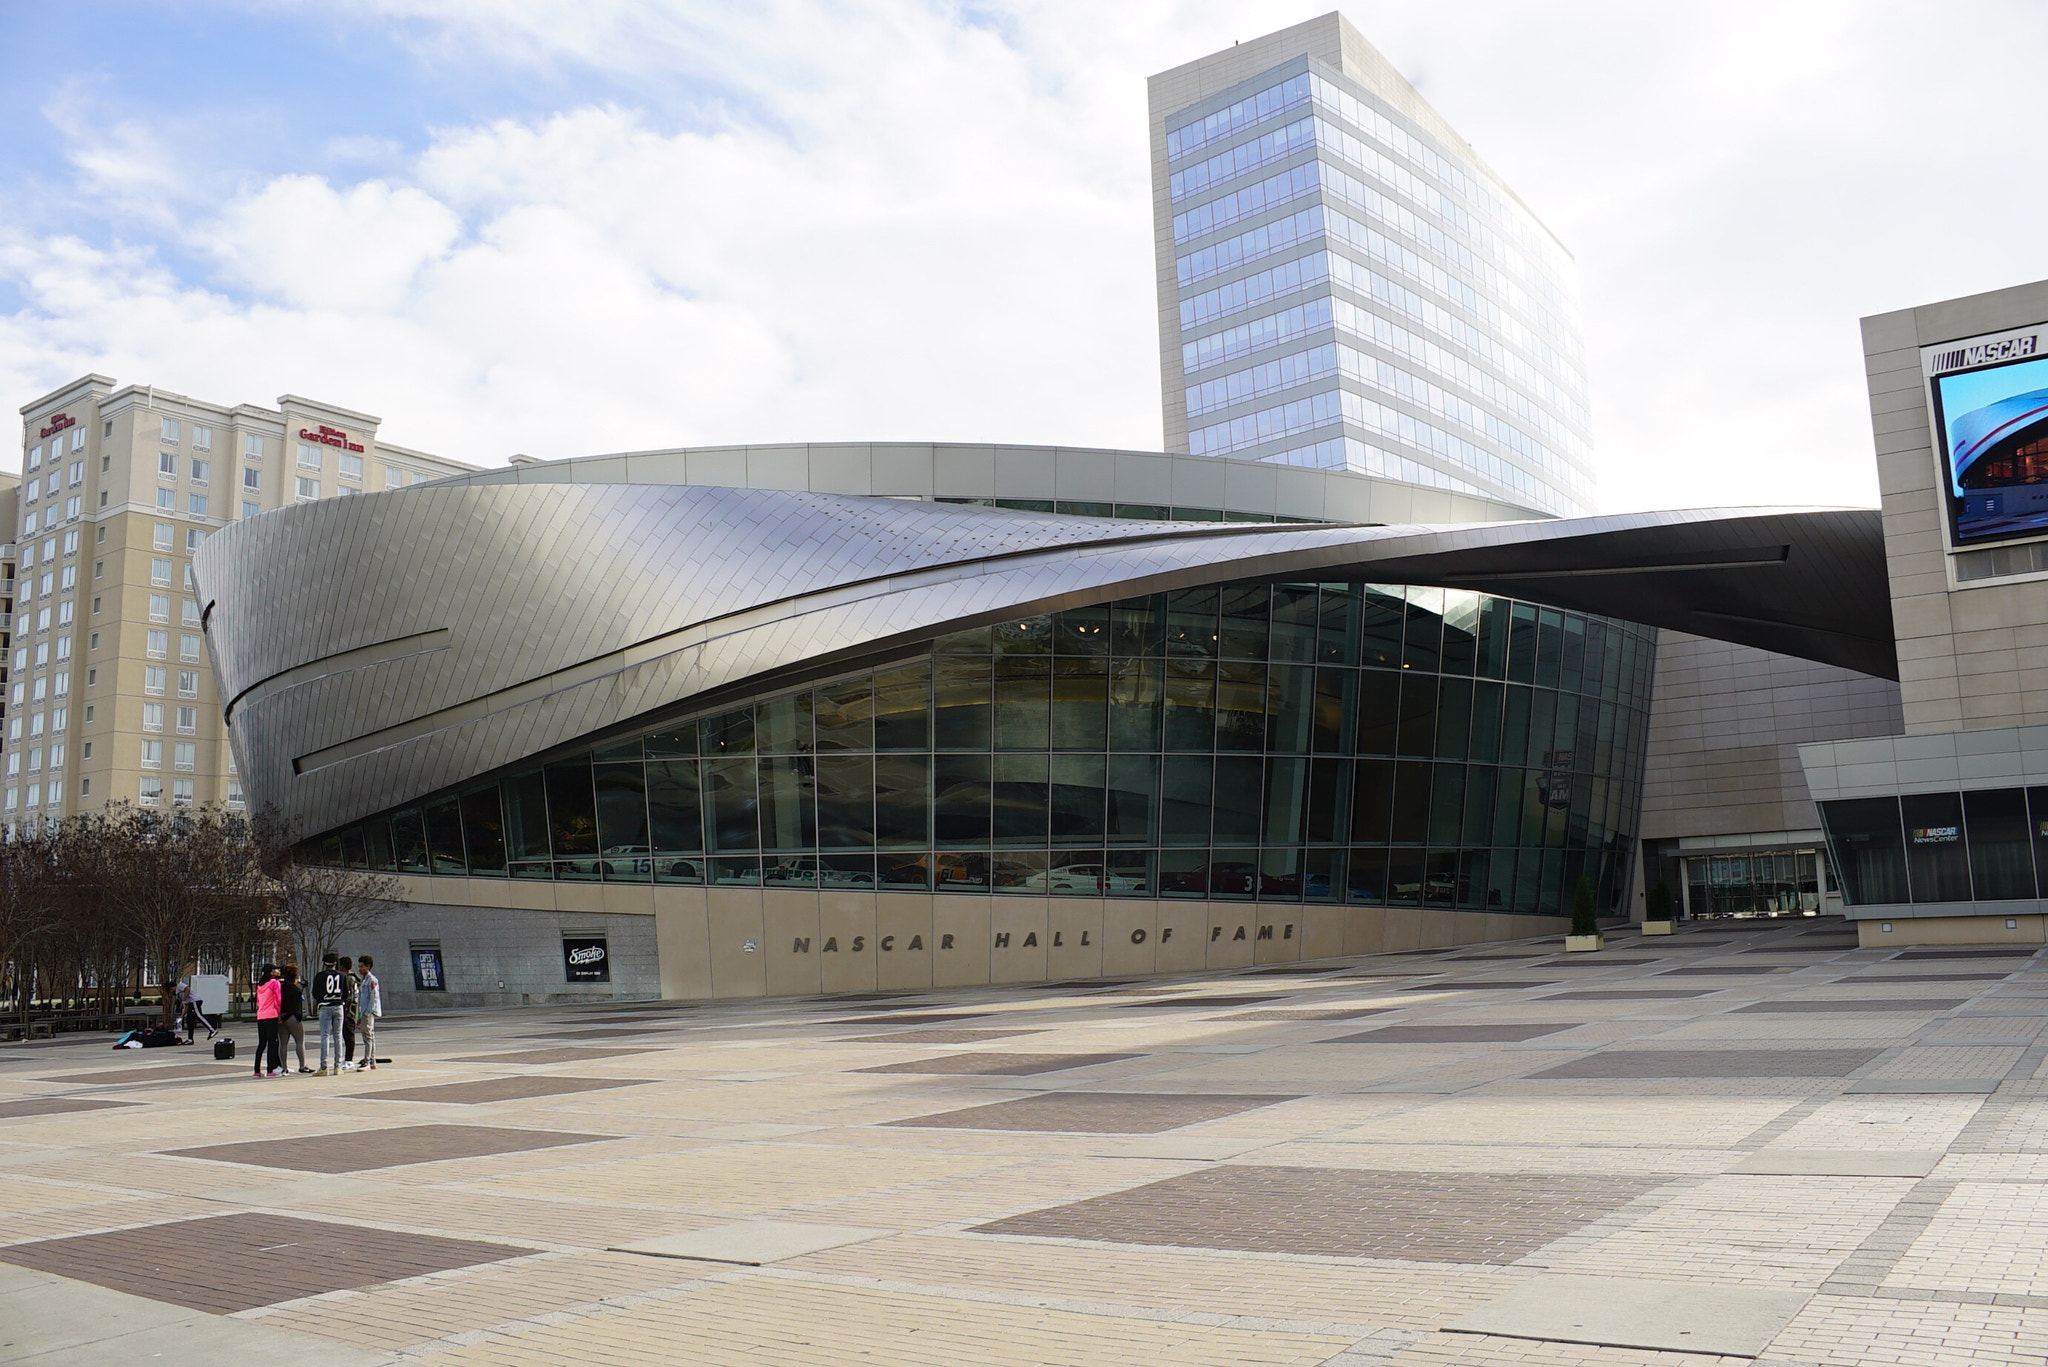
[
  {"x": 1663, "y": 1121},
  {"x": 1487, "y": 1350},
  {"x": 1852, "y": 1331},
  {"x": 1990, "y": 1238}
]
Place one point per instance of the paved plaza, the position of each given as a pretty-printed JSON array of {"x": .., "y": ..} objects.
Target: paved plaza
[{"x": 1750, "y": 1141}]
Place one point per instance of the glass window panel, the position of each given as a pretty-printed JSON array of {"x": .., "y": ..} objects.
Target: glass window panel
[
  {"x": 1564, "y": 734},
  {"x": 1535, "y": 805},
  {"x": 975, "y": 641},
  {"x": 1571, "y": 675},
  {"x": 1191, "y": 623},
  {"x": 1129, "y": 873},
  {"x": 1184, "y": 805},
  {"x": 1331, "y": 733},
  {"x": 1245, "y": 608},
  {"x": 377, "y": 833},
  {"x": 1286, "y": 816},
  {"x": 1134, "y": 696},
  {"x": 444, "y": 836},
  {"x": 902, "y": 708},
  {"x": 1190, "y": 719},
  {"x": 1233, "y": 874},
  {"x": 1077, "y": 799},
  {"x": 1291, "y": 708},
  {"x": 1549, "y": 646},
  {"x": 671, "y": 742},
  {"x": 354, "y": 848},
  {"x": 728, "y": 871},
  {"x": 789, "y": 820},
  {"x": 1440, "y": 879},
  {"x": 1240, "y": 781},
  {"x": 1404, "y": 878},
  {"x": 526, "y": 825},
  {"x": 963, "y": 703},
  {"x": 1133, "y": 799},
  {"x": 846, "y": 788},
  {"x": 1184, "y": 873},
  {"x": 1082, "y": 631},
  {"x": 622, "y": 821},
  {"x": 1137, "y": 626},
  {"x": 1447, "y": 805},
  {"x": 1382, "y": 610},
  {"x": 1294, "y": 621},
  {"x": 1075, "y": 873},
  {"x": 1023, "y": 716},
  {"x": 1869, "y": 851},
  {"x": 844, "y": 715},
  {"x": 1596, "y": 654},
  {"x": 1461, "y": 631},
  {"x": 1020, "y": 797},
  {"x": 1080, "y": 701},
  {"x": 729, "y": 734},
  {"x": 790, "y": 871},
  {"x": 1329, "y": 783},
  {"x": 904, "y": 870},
  {"x": 1472, "y": 879},
  {"x": 1242, "y": 701},
  {"x": 1418, "y": 714},
  {"x": 1027, "y": 636},
  {"x": 1411, "y": 802},
  {"x": 572, "y": 815},
  {"x": 1522, "y": 645},
  {"x": 1379, "y": 711},
  {"x": 1528, "y": 882},
  {"x": 1453, "y": 718},
  {"x": 1507, "y": 805},
  {"x": 1493, "y": 638},
  {"x": 1337, "y": 626},
  {"x": 2037, "y": 815},
  {"x": 1936, "y": 858},
  {"x": 1478, "y": 824},
  {"x": 1280, "y": 875},
  {"x": 483, "y": 830},
  {"x": 1542, "y": 721},
  {"x": 675, "y": 822},
  {"x": 852, "y": 871},
  {"x": 1550, "y": 893},
  {"x": 1514, "y": 739},
  {"x": 960, "y": 785},
  {"x": 902, "y": 801},
  {"x": 1366, "y": 877},
  {"x": 731, "y": 809},
  {"x": 1372, "y": 802},
  {"x": 962, "y": 872},
  {"x": 1322, "y": 875},
  {"x": 1423, "y": 649}
]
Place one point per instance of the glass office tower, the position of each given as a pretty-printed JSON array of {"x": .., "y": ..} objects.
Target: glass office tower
[{"x": 1344, "y": 285}]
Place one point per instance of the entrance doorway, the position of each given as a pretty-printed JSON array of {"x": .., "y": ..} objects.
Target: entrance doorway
[{"x": 1755, "y": 883}]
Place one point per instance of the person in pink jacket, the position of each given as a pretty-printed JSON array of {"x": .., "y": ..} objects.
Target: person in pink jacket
[{"x": 269, "y": 997}]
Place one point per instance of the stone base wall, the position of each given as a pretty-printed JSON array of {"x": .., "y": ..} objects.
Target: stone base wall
[
  {"x": 1989, "y": 928},
  {"x": 692, "y": 943}
]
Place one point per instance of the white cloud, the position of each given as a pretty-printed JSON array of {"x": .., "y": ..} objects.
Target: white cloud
[{"x": 901, "y": 220}]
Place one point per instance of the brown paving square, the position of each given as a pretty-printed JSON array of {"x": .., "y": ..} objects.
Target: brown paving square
[
  {"x": 1875, "y": 977},
  {"x": 1598, "y": 961},
  {"x": 1620, "y": 995},
  {"x": 227, "y": 1263},
  {"x": 500, "y": 1089},
  {"x": 1481, "y": 985},
  {"x": 911, "y": 1018},
  {"x": 606, "y": 1032},
  {"x": 1311, "y": 1013},
  {"x": 1331, "y": 1212},
  {"x": 1452, "y": 1034},
  {"x": 941, "y": 1036},
  {"x": 1806, "y": 1008},
  {"x": 568, "y": 1053},
  {"x": 1721, "y": 1063},
  {"x": 1939, "y": 954},
  {"x": 161, "y": 1072},
  {"x": 999, "y": 1065},
  {"x": 361, "y": 1150},
  {"x": 1094, "y": 1112},
  {"x": 1202, "y": 1003},
  {"x": 1725, "y": 970},
  {"x": 56, "y": 1105}
]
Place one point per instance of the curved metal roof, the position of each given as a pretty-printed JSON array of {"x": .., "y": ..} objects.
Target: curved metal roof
[{"x": 376, "y": 648}]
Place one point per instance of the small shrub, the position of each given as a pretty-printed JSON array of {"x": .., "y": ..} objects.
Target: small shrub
[{"x": 1583, "y": 921}]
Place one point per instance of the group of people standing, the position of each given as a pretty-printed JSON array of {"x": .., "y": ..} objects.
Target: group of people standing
[{"x": 346, "y": 1000}]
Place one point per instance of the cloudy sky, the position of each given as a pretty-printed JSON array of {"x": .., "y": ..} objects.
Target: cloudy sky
[{"x": 523, "y": 225}]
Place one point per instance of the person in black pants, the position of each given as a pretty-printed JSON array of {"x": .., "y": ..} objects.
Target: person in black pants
[{"x": 291, "y": 1018}]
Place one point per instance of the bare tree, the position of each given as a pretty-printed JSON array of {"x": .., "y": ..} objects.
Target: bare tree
[
  {"x": 29, "y": 909},
  {"x": 319, "y": 907},
  {"x": 184, "y": 883}
]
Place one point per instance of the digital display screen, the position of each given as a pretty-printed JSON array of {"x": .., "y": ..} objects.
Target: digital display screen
[{"x": 1993, "y": 425}]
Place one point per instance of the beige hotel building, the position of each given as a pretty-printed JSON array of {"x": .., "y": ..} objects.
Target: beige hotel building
[{"x": 109, "y": 694}]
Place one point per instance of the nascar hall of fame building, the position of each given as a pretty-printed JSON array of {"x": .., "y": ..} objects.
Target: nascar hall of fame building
[{"x": 1351, "y": 667}]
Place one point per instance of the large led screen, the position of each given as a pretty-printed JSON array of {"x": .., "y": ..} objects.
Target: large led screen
[{"x": 1994, "y": 444}]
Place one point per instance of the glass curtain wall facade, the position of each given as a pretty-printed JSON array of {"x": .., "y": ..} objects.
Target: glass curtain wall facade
[
  {"x": 1354, "y": 293},
  {"x": 1363, "y": 743},
  {"x": 1990, "y": 845}
]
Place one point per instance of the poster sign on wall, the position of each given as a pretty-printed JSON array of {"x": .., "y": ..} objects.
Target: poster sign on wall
[
  {"x": 586, "y": 959},
  {"x": 1990, "y": 403},
  {"x": 426, "y": 969}
]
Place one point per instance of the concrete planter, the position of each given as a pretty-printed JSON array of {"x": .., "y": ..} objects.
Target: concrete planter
[
  {"x": 1657, "y": 927},
  {"x": 1575, "y": 944}
]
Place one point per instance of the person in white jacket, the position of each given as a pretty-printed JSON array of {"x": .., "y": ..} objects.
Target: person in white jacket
[{"x": 369, "y": 1006}]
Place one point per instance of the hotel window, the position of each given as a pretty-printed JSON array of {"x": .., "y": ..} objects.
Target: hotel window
[
  {"x": 309, "y": 456},
  {"x": 35, "y": 725},
  {"x": 14, "y": 723},
  {"x": 152, "y": 754},
  {"x": 163, "y": 536},
  {"x": 351, "y": 467},
  {"x": 167, "y": 465},
  {"x": 171, "y": 431},
  {"x": 199, "y": 471},
  {"x": 56, "y": 480},
  {"x": 77, "y": 441},
  {"x": 152, "y": 717},
  {"x": 309, "y": 488},
  {"x": 153, "y": 678},
  {"x": 202, "y": 438},
  {"x": 252, "y": 479},
  {"x": 188, "y": 683},
  {"x": 71, "y": 542},
  {"x": 63, "y": 648},
  {"x": 76, "y": 476},
  {"x": 150, "y": 793},
  {"x": 66, "y": 610},
  {"x": 60, "y": 685},
  {"x": 35, "y": 794},
  {"x": 73, "y": 506},
  {"x": 195, "y": 504},
  {"x": 37, "y": 689},
  {"x": 185, "y": 756},
  {"x": 42, "y": 619},
  {"x": 159, "y": 645},
  {"x": 252, "y": 446},
  {"x": 188, "y": 720},
  {"x": 166, "y": 500},
  {"x": 251, "y": 509},
  {"x": 60, "y": 717},
  {"x": 234, "y": 795},
  {"x": 28, "y": 557},
  {"x": 188, "y": 647},
  {"x": 85, "y": 751},
  {"x": 42, "y": 654},
  {"x": 35, "y": 457},
  {"x": 181, "y": 792},
  {"x": 57, "y": 754},
  {"x": 193, "y": 537},
  {"x": 190, "y": 609},
  {"x": 20, "y": 659},
  {"x": 67, "y": 578},
  {"x": 393, "y": 478},
  {"x": 56, "y": 791},
  {"x": 160, "y": 571},
  {"x": 14, "y": 764},
  {"x": 35, "y": 760},
  {"x": 85, "y": 787},
  {"x": 45, "y": 584},
  {"x": 12, "y": 794},
  {"x": 159, "y": 607},
  {"x": 49, "y": 550}
]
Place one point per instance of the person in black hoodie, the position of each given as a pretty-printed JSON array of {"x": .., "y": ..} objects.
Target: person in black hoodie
[{"x": 291, "y": 1018}]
